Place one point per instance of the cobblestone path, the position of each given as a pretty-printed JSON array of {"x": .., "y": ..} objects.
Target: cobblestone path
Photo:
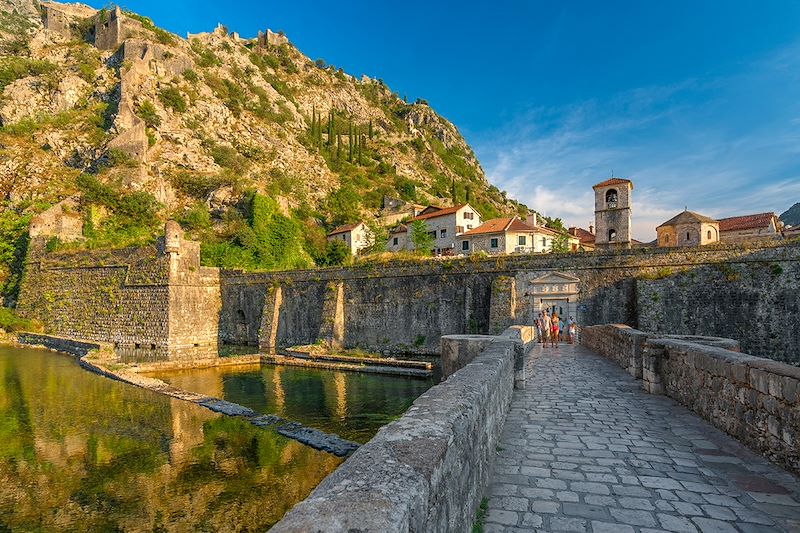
[{"x": 585, "y": 449}]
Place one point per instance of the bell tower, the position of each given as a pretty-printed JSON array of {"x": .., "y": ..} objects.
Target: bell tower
[{"x": 612, "y": 214}]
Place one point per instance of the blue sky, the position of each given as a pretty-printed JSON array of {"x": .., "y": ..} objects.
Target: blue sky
[{"x": 697, "y": 102}]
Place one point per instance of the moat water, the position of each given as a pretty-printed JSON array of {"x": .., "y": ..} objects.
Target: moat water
[
  {"x": 79, "y": 452},
  {"x": 353, "y": 405}
]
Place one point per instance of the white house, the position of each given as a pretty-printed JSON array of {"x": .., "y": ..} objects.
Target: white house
[
  {"x": 444, "y": 225},
  {"x": 506, "y": 236},
  {"x": 356, "y": 236}
]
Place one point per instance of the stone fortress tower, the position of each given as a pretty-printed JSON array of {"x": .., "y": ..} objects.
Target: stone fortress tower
[{"x": 612, "y": 214}]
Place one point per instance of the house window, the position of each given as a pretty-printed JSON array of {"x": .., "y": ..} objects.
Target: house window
[
  {"x": 611, "y": 198},
  {"x": 459, "y": 229},
  {"x": 493, "y": 243},
  {"x": 544, "y": 242},
  {"x": 344, "y": 237},
  {"x": 442, "y": 233},
  {"x": 468, "y": 215},
  {"x": 469, "y": 226},
  {"x": 432, "y": 234},
  {"x": 465, "y": 245},
  {"x": 612, "y": 235},
  {"x": 394, "y": 241},
  {"x": 522, "y": 240}
]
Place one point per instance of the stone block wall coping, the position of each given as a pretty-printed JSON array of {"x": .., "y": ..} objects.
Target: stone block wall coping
[
  {"x": 425, "y": 471},
  {"x": 727, "y": 357}
]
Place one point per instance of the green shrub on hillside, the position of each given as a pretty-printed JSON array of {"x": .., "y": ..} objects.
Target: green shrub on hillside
[
  {"x": 14, "y": 68},
  {"x": 228, "y": 157},
  {"x": 173, "y": 99},
  {"x": 147, "y": 112},
  {"x": 162, "y": 36},
  {"x": 268, "y": 240},
  {"x": 200, "y": 185},
  {"x": 344, "y": 205},
  {"x": 133, "y": 220}
]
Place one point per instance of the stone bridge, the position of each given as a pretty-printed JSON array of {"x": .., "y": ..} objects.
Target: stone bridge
[{"x": 635, "y": 434}]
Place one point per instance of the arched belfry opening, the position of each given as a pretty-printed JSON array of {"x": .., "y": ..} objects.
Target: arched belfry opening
[
  {"x": 612, "y": 235},
  {"x": 611, "y": 198}
]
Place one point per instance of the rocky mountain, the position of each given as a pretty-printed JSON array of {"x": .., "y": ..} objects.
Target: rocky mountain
[
  {"x": 791, "y": 217},
  {"x": 138, "y": 125}
]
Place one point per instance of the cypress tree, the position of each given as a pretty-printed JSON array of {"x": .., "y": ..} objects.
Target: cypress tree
[
  {"x": 360, "y": 146},
  {"x": 350, "y": 141},
  {"x": 370, "y": 129},
  {"x": 338, "y": 146},
  {"x": 453, "y": 190}
]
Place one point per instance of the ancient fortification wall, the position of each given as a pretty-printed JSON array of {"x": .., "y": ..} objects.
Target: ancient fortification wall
[
  {"x": 154, "y": 301},
  {"x": 753, "y": 399},
  {"x": 408, "y": 307}
]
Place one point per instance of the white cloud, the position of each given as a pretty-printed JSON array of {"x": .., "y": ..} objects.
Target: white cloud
[{"x": 721, "y": 146}]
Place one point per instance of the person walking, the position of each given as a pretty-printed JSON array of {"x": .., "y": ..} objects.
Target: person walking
[
  {"x": 572, "y": 330},
  {"x": 561, "y": 330},
  {"x": 545, "y": 329},
  {"x": 537, "y": 323},
  {"x": 554, "y": 331}
]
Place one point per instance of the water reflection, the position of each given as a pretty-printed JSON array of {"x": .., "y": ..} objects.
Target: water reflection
[
  {"x": 79, "y": 452},
  {"x": 353, "y": 405}
]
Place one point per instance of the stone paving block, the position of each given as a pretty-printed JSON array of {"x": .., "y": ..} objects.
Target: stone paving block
[
  {"x": 636, "y": 503},
  {"x": 710, "y": 525},
  {"x": 678, "y": 524},
  {"x": 720, "y": 513},
  {"x": 607, "y": 527},
  {"x": 542, "y": 506},
  {"x": 566, "y": 523},
  {"x": 634, "y": 517},
  {"x": 499, "y": 516},
  {"x": 590, "y": 487},
  {"x": 583, "y": 510}
]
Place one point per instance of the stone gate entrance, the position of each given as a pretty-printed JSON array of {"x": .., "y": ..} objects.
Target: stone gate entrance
[{"x": 555, "y": 291}]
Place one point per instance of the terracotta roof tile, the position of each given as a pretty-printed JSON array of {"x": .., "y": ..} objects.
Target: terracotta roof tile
[
  {"x": 585, "y": 236},
  {"x": 501, "y": 225},
  {"x": 612, "y": 181},
  {"x": 440, "y": 212},
  {"x": 685, "y": 217},
  {"x": 759, "y": 220},
  {"x": 345, "y": 228}
]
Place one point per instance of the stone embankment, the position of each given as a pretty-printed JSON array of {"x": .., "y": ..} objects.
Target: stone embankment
[
  {"x": 428, "y": 470},
  {"x": 755, "y": 400}
]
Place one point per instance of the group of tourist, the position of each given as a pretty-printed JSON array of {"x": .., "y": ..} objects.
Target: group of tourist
[{"x": 551, "y": 328}]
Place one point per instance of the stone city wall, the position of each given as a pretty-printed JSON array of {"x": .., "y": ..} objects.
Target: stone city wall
[
  {"x": 754, "y": 399},
  {"x": 153, "y": 304},
  {"x": 426, "y": 471},
  {"x": 407, "y": 307},
  {"x": 756, "y": 303}
]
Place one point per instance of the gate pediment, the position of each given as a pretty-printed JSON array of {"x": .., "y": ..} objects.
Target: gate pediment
[{"x": 556, "y": 283}]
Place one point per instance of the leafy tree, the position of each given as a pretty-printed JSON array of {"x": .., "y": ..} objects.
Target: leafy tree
[
  {"x": 422, "y": 240},
  {"x": 344, "y": 205},
  {"x": 560, "y": 243},
  {"x": 336, "y": 253}
]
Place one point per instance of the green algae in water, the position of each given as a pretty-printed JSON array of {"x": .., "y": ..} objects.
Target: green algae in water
[
  {"x": 353, "y": 405},
  {"x": 79, "y": 452}
]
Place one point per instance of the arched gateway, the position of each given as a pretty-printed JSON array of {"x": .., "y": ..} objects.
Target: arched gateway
[{"x": 555, "y": 291}]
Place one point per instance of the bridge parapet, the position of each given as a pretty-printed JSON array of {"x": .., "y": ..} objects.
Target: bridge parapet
[
  {"x": 754, "y": 399},
  {"x": 426, "y": 471}
]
